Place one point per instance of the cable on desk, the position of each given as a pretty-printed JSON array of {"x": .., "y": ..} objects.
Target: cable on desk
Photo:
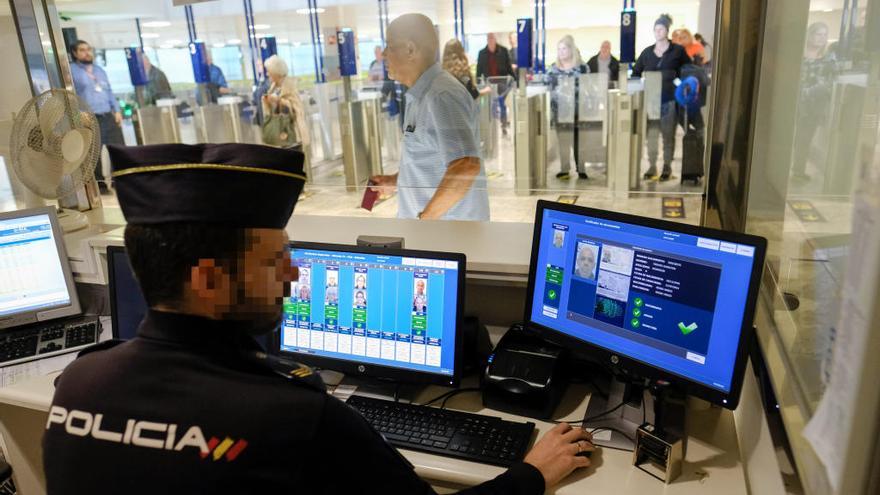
[
  {"x": 596, "y": 416},
  {"x": 449, "y": 393},
  {"x": 456, "y": 392}
]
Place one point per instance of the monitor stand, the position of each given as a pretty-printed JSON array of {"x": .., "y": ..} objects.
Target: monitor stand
[{"x": 640, "y": 407}]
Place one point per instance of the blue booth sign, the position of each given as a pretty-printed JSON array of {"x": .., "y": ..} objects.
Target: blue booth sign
[
  {"x": 524, "y": 42},
  {"x": 347, "y": 52},
  {"x": 199, "y": 55},
  {"x": 268, "y": 47},
  {"x": 135, "y": 58},
  {"x": 628, "y": 36}
]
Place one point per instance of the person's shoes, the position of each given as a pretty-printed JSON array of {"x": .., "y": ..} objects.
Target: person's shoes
[
  {"x": 665, "y": 176},
  {"x": 583, "y": 175},
  {"x": 563, "y": 176},
  {"x": 651, "y": 173}
]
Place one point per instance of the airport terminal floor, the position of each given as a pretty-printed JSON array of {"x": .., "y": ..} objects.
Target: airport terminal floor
[{"x": 451, "y": 246}]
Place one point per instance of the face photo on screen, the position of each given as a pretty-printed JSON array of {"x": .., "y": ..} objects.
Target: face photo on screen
[
  {"x": 360, "y": 281},
  {"x": 305, "y": 292},
  {"x": 360, "y": 298},
  {"x": 420, "y": 304},
  {"x": 331, "y": 295},
  {"x": 332, "y": 279},
  {"x": 558, "y": 239},
  {"x": 585, "y": 262}
]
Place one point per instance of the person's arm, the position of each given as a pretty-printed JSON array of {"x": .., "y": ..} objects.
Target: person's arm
[
  {"x": 509, "y": 66},
  {"x": 112, "y": 99},
  {"x": 222, "y": 85},
  {"x": 456, "y": 183},
  {"x": 639, "y": 65},
  {"x": 683, "y": 59},
  {"x": 481, "y": 64},
  {"x": 614, "y": 68}
]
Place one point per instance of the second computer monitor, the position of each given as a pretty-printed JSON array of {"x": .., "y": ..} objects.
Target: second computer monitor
[{"x": 392, "y": 314}]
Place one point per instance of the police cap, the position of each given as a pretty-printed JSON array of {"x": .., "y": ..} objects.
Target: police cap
[{"x": 235, "y": 185}]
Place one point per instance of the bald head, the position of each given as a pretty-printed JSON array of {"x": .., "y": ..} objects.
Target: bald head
[
  {"x": 418, "y": 30},
  {"x": 412, "y": 47}
]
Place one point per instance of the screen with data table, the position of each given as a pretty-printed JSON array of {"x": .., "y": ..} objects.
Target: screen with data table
[
  {"x": 392, "y": 311},
  {"x": 31, "y": 271}
]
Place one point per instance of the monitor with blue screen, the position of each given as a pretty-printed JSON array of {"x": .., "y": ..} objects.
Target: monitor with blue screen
[
  {"x": 383, "y": 313},
  {"x": 674, "y": 302}
]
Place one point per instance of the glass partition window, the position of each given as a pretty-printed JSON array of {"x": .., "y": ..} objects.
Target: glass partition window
[{"x": 815, "y": 143}]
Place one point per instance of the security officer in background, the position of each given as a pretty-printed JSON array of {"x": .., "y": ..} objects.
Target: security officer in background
[{"x": 192, "y": 404}]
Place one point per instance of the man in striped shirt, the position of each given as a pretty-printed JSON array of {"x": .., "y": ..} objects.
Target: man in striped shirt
[{"x": 441, "y": 175}]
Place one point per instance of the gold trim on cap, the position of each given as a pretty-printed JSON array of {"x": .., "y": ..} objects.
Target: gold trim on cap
[{"x": 205, "y": 166}]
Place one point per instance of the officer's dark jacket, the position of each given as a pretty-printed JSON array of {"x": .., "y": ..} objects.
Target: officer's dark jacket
[{"x": 185, "y": 408}]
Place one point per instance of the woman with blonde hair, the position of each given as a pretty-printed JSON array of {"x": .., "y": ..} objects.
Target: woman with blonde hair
[
  {"x": 285, "y": 124},
  {"x": 564, "y": 78},
  {"x": 455, "y": 62}
]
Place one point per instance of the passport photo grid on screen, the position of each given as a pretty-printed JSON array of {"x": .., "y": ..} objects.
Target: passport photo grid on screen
[
  {"x": 392, "y": 311},
  {"x": 671, "y": 300}
]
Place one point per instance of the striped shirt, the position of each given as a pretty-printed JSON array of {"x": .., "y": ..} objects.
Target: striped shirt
[{"x": 440, "y": 127}]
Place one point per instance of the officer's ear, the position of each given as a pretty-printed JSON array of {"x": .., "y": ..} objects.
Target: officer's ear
[{"x": 209, "y": 280}]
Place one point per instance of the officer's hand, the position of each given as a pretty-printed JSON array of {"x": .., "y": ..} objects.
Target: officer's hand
[
  {"x": 554, "y": 454},
  {"x": 384, "y": 184}
]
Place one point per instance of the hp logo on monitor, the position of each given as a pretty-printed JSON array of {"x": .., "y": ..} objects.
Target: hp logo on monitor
[
  {"x": 362, "y": 368},
  {"x": 614, "y": 359}
]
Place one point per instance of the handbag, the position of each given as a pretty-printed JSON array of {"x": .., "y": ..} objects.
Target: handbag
[{"x": 278, "y": 130}]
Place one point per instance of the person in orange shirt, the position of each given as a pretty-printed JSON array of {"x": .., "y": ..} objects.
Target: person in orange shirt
[{"x": 694, "y": 49}]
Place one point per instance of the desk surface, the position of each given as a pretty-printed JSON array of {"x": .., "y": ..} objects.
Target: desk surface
[{"x": 712, "y": 463}]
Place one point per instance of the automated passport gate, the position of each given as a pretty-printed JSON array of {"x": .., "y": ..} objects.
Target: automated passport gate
[
  {"x": 358, "y": 122},
  {"x": 630, "y": 110},
  {"x": 220, "y": 122},
  {"x": 157, "y": 124},
  {"x": 530, "y": 138}
]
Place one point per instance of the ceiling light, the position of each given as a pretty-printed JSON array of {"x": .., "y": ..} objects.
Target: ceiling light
[
  {"x": 318, "y": 10},
  {"x": 219, "y": 45},
  {"x": 156, "y": 24},
  {"x": 149, "y": 35},
  {"x": 283, "y": 40},
  {"x": 233, "y": 41},
  {"x": 828, "y": 10},
  {"x": 261, "y": 27},
  {"x": 174, "y": 42}
]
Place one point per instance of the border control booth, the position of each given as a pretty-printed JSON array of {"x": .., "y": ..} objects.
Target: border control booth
[{"x": 412, "y": 337}]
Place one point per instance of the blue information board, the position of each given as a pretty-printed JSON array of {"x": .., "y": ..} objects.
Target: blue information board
[
  {"x": 268, "y": 47},
  {"x": 135, "y": 58},
  {"x": 347, "y": 52},
  {"x": 524, "y": 42},
  {"x": 628, "y": 36},
  {"x": 199, "y": 55}
]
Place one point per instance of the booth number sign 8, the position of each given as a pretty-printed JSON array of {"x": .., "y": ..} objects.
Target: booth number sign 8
[{"x": 627, "y": 19}]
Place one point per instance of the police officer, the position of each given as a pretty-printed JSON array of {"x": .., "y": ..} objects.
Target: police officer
[{"x": 192, "y": 404}]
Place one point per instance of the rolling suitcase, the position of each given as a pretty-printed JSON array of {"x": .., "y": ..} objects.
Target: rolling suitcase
[{"x": 692, "y": 153}]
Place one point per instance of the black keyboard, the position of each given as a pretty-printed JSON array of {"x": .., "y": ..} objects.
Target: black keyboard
[
  {"x": 472, "y": 437},
  {"x": 20, "y": 345}
]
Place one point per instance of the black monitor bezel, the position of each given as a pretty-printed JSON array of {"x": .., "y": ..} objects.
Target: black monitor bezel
[
  {"x": 633, "y": 366},
  {"x": 380, "y": 372},
  {"x": 113, "y": 251}
]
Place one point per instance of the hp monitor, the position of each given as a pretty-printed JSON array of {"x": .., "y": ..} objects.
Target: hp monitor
[{"x": 659, "y": 300}]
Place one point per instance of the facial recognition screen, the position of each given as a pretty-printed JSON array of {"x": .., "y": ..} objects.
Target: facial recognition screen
[
  {"x": 31, "y": 270},
  {"x": 670, "y": 300},
  {"x": 386, "y": 310}
]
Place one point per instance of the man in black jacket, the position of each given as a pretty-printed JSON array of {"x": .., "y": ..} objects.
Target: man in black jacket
[
  {"x": 494, "y": 61},
  {"x": 605, "y": 62},
  {"x": 192, "y": 404}
]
